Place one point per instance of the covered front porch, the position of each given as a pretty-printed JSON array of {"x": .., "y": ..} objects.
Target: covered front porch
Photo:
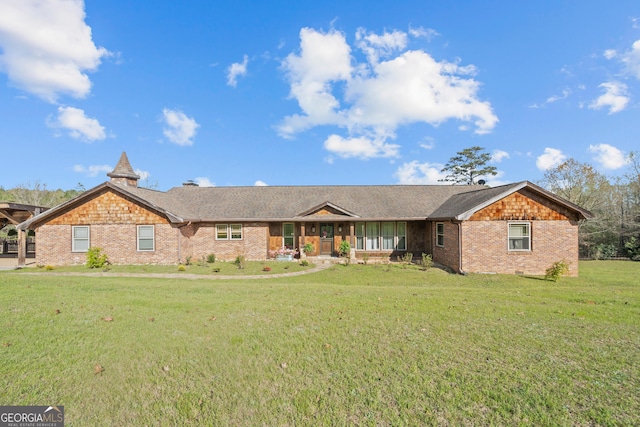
[{"x": 374, "y": 239}]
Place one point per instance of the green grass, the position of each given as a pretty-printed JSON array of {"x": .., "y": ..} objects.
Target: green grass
[{"x": 356, "y": 345}]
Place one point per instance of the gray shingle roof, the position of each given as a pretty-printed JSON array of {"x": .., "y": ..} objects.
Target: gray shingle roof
[
  {"x": 298, "y": 203},
  {"x": 123, "y": 169},
  {"x": 295, "y": 202}
]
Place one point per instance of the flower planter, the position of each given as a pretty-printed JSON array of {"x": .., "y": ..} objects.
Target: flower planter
[{"x": 284, "y": 257}]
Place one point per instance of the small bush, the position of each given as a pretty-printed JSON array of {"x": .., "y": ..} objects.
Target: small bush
[
  {"x": 556, "y": 270},
  {"x": 307, "y": 248},
  {"x": 345, "y": 248},
  {"x": 96, "y": 258},
  {"x": 604, "y": 251},
  {"x": 211, "y": 258},
  {"x": 216, "y": 270},
  {"x": 407, "y": 259},
  {"x": 304, "y": 263},
  {"x": 188, "y": 260},
  {"x": 240, "y": 262},
  {"x": 426, "y": 262},
  {"x": 49, "y": 267},
  {"x": 181, "y": 267}
]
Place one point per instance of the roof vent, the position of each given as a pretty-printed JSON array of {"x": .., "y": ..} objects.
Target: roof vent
[{"x": 190, "y": 183}]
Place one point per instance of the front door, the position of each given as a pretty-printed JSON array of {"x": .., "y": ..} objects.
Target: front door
[{"x": 326, "y": 238}]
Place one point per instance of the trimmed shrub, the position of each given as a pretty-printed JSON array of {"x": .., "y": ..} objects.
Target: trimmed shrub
[
  {"x": 96, "y": 258},
  {"x": 556, "y": 270}
]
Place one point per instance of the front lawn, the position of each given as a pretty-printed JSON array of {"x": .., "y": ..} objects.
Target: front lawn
[{"x": 354, "y": 345}]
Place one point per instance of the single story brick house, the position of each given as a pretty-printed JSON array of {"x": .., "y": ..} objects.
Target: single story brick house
[{"x": 514, "y": 229}]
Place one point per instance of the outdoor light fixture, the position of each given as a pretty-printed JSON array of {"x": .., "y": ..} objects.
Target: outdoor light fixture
[
  {"x": 313, "y": 228},
  {"x": 339, "y": 229}
]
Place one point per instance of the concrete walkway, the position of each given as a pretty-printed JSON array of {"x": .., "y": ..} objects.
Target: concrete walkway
[
  {"x": 318, "y": 267},
  {"x": 12, "y": 263}
]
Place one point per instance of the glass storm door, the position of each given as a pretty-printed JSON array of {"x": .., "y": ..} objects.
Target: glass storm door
[{"x": 326, "y": 239}]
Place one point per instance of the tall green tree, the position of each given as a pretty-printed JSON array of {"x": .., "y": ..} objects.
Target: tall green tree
[
  {"x": 582, "y": 184},
  {"x": 468, "y": 165}
]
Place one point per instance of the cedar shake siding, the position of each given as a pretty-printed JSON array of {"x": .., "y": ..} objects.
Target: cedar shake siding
[{"x": 517, "y": 228}]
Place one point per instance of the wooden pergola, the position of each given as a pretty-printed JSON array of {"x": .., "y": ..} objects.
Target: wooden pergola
[{"x": 15, "y": 213}]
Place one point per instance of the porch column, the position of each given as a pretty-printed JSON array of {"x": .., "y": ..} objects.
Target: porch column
[
  {"x": 352, "y": 240},
  {"x": 22, "y": 248}
]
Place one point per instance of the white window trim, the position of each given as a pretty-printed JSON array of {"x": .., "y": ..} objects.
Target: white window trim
[
  {"x": 153, "y": 238},
  {"x": 361, "y": 233},
  {"x": 231, "y": 232},
  {"x": 528, "y": 224},
  {"x": 293, "y": 236},
  {"x": 219, "y": 226},
  {"x": 440, "y": 234},
  {"x": 73, "y": 238},
  {"x": 397, "y": 236},
  {"x": 229, "y": 228}
]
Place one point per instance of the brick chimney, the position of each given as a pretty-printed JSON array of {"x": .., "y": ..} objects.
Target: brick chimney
[{"x": 123, "y": 173}]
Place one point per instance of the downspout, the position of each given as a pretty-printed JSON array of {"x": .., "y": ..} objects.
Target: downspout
[{"x": 460, "y": 270}]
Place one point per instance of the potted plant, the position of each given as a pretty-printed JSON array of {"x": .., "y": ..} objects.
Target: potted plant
[
  {"x": 307, "y": 248},
  {"x": 283, "y": 254}
]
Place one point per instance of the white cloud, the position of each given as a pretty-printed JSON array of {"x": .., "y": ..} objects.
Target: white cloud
[
  {"x": 420, "y": 173},
  {"x": 259, "y": 183},
  {"x": 499, "y": 155},
  {"x": 144, "y": 175},
  {"x": 361, "y": 147},
  {"x": 555, "y": 98},
  {"x": 376, "y": 46},
  {"x": 428, "y": 144},
  {"x": 378, "y": 96},
  {"x": 235, "y": 70},
  {"x": 631, "y": 59},
  {"x": 615, "y": 97},
  {"x": 551, "y": 158},
  {"x": 608, "y": 156},
  {"x": 78, "y": 125},
  {"x": 427, "y": 33},
  {"x": 610, "y": 53},
  {"x": 204, "y": 182},
  {"x": 179, "y": 128},
  {"x": 93, "y": 170},
  {"x": 47, "y": 48}
]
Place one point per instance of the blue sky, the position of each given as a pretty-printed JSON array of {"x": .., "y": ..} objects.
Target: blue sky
[{"x": 305, "y": 93}]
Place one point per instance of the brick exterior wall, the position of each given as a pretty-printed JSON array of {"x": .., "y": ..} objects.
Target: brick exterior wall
[
  {"x": 449, "y": 254},
  {"x": 118, "y": 241},
  {"x": 484, "y": 245},
  {"x": 484, "y": 237},
  {"x": 200, "y": 240}
]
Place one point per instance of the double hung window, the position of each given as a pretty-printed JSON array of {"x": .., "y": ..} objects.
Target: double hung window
[
  {"x": 520, "y": 236},
  {"x": 440, "y": 234},
  {"x": 228, "y": 231},
  {"x": 80, "y": 238},
  {"x": 146, "y": 238}
]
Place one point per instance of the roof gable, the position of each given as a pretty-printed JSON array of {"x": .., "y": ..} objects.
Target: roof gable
[
  {"x": 89, "y": 195},
  {"x": 464, "y": 206},
  {"x": 327, "y": 209}
]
